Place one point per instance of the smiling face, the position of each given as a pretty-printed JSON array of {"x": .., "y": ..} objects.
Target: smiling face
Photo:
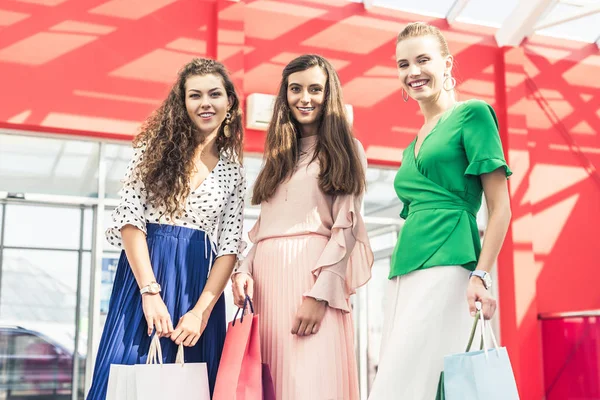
[
  {"x": 206, "y": 101},
  {"x": 422, "y": 67},
  {"x": 306, "y": 95}
]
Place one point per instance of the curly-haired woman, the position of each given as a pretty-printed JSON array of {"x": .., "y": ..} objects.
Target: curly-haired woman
[
  {"x": 184, "y": 181},
  {"x": 311, "y": 249}
]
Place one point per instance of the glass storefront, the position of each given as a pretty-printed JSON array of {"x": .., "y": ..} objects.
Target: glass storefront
[
  {"x": 56, "y": 269},
  {"x": 45, "y": 261}
]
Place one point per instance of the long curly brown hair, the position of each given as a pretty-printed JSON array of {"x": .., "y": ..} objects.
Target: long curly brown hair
[
  {"x": 341, "y": 168},
  {"x": 171, "y": 139}
]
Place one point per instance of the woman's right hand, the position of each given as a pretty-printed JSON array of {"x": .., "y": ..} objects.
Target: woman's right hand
[
  {"x": 157, "y": 315},
  {"x": 242, "y": 285}
]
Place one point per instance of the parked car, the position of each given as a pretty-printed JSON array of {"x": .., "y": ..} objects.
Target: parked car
[{"x": 33, "y": 365}]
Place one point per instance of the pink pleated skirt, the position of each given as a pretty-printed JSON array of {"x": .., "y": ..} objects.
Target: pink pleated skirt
[{"x": 316, "y": 367}]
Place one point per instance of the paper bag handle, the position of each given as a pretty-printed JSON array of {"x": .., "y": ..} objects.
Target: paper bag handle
[
  {"x": 476, "y": 319},
  {"x": 247, "y": 302},
  {"x": 155, "y": 352}
]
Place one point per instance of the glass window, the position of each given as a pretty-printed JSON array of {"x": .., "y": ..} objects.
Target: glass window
[
  {"x": 37, "y": 307},
  {"x": 376, "y": 289},
  {"x": 117, "y": 157},
  {"x": 86, "y": 269},
  {"x": 380, "y": 199},
  {"x": 82, "y": 350},
  {"x": 383, "y": 240},
  {"x": 88, "y": 228},
  {"x": 1, "y": 214},
  {"x": 38, "y": 288},
  {"x": 252, "y": 166},
  {"x": 106, "y": 222},
  {"x": 33, "y": 364},
  {"x": 52, "y": 166},
  {"x": 42, "y": 226}
]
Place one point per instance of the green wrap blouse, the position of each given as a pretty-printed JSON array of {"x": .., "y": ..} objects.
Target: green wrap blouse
[{"x": 441, "y": 189}]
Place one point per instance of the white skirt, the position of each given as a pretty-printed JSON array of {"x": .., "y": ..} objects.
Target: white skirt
[{"x": 426, "y": 318}]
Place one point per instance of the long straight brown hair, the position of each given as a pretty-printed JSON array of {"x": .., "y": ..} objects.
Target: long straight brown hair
[{"x": 341, "y": 167}]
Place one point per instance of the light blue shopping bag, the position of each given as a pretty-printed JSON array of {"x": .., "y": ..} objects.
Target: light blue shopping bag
[{"x": 479, "y": 375}]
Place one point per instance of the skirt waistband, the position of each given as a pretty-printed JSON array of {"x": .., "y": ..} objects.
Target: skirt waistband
[
  {"x": 180, "y": 232},
  {"x": 297, "y": 236}
]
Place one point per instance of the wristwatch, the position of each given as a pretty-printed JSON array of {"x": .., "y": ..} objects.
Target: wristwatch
[
  {"x": 151, "y": 288},
  {"x": 484, "y": 276}
]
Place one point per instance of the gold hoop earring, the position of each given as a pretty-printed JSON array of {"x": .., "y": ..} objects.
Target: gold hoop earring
[
  {"x": 405, "y": 98},
  {"x": 226, "y": 129},
  {"x": 452, "y": 82}
]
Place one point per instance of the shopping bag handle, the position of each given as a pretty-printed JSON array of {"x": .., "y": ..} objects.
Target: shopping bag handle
[
  {"x": 155, "y": 352},
  {"x": 479, "y": 317},
  {"x": 247, "y": 302}
]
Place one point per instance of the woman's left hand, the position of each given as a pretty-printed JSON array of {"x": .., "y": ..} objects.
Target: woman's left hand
[
  {"x": 308, "y": 317},
  {"x": 190, "y": 328},
  {"x": 477, "y": 292}
]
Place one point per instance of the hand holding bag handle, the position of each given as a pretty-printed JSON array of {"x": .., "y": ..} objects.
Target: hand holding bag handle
[
  {"x": 155, "y": 353},
  {"x": 247, "y": 302}
]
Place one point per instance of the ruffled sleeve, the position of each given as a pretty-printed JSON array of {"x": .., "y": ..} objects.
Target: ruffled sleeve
[
  {"x": 133, "y": 202},
  {"x": 231, "y": 224},
  {"x": 346, "y": 261},
  {"x": 481, "y": 140}
]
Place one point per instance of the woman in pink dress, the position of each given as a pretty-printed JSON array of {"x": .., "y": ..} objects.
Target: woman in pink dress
[{"x": 311, "y": 249}]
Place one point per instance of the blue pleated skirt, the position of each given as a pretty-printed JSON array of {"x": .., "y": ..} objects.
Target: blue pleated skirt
[{"x": 181, "y": 259}]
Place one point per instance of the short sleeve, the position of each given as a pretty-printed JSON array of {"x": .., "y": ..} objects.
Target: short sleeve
[
  {"x": 481, "y": 140},
  {"x": 133, "y": 202},
  {"x": 232, "y": 220}
]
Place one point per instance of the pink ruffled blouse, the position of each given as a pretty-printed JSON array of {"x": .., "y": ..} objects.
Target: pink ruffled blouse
[{"x": 299, "y": 207}]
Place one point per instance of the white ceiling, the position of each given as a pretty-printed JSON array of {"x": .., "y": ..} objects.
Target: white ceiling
[{"x": 515, "y": 19}]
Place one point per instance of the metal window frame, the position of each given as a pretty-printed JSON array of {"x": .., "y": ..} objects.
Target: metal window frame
[{"x": 39, "y": 201}]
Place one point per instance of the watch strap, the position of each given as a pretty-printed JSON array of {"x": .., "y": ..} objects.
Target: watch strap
[
  {"x": 148, "y": 288},
  {"x": 483, "y": 275}
]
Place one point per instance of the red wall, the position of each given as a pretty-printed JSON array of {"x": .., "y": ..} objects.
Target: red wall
[
  {"x": 553, "y": 98},
  {"x": 99, "y": 67}
]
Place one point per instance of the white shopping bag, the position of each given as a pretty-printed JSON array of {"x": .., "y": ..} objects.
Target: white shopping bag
[
  {"x": 485, "y": 374},
  {"x": 157, "y": 381}
]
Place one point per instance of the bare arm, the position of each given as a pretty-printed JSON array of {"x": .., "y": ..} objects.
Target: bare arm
[
  {"x": 219, "y": 276},
  {"x": 136, "y": 249},
  {"x": 495, "y": 188},
  {"x": 190, "y": 327},
  {"x": 155, "y": 310}
]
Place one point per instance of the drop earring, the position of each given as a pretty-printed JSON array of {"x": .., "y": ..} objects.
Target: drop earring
[
  {"x": 226, "y": 129},
  {"x": 452, "y": 82},
  {"x": 404, "y": 95}
]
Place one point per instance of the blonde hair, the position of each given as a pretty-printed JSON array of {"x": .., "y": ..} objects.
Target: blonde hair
[{"x": 418, "y": 29}]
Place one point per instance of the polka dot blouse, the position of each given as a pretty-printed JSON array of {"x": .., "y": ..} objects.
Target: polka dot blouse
[{"x": 215, "y": 207}]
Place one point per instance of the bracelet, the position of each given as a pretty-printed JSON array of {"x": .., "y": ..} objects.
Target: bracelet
[{"x": 194, "y": 314}]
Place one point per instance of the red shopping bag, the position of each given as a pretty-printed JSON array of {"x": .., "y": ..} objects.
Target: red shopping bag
[{"x": 240, "y": 375}]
